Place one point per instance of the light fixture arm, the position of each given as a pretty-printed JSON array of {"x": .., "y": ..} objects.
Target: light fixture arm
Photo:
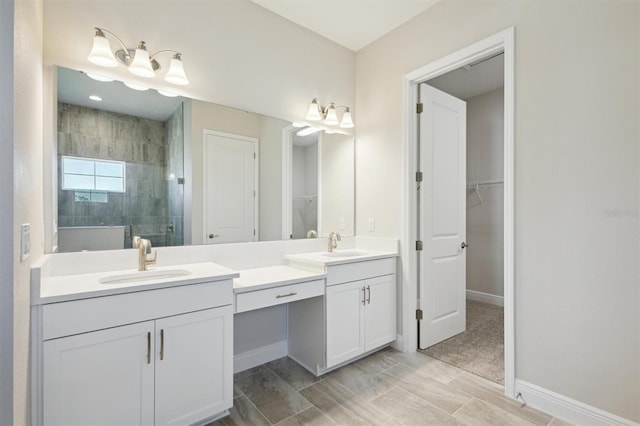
[
  {"x": 100, "y": 32},
  {"x": 176, "y": 54}
]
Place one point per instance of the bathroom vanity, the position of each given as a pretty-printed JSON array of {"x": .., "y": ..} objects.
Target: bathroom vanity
[{"x": 156, "y": 347}]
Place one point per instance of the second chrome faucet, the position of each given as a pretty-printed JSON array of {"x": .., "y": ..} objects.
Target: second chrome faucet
[
  {"x": 334, "y": 237},
  {"x": 144, "y": 248}
]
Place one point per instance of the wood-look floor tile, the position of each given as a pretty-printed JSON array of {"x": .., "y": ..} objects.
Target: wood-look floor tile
[
  {"x": 243, "y": 413},
  {"x": 429, "y": 367},
  {"x": 439, "y": 394},
  {"x": 365, "y": 382},
  {"x": 409, "y": 409},
  {"x": 292, "y": 373},
  {"x": 559, "y": 422},
  {"x": 493, "y": 394},
  {"x": 480, "y": 413},
  {"x": 251, "y": 371},
  {"x": 377, "y": 361},
  {"x": 273, "y": 397},
  {"x": 311, "y": 416},
  {"x": 341, "y": 405}
]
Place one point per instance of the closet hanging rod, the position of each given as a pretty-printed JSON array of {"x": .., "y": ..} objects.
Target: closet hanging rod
[{"x": 475, "y": 184}]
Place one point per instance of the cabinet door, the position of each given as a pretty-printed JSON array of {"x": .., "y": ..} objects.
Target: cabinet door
[
  {"x": 380, "y": 311},
  {"x": 345, "y": 310},
  {"x": 194, "y": 355},
  {"x": 100, "y": 378}
]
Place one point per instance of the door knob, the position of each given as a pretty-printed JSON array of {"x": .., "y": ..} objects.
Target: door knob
[
  {"x": 213, "y": 236},
  {"x": 464, "y": 245}
]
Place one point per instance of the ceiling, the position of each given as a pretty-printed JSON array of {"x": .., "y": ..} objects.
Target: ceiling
[
  {"x": 350, "y": 23},
  {"x": 472, "y": 80}
]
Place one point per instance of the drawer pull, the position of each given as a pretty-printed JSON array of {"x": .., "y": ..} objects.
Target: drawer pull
[
  {"x": 364, "y": 296},
  {"x": 285, "y": 295},
  {"x": 162, "y": 344},
  {"x": 369, "y": 296}
]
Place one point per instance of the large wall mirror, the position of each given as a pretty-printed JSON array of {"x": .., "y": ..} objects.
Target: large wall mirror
[{"x": 183, "y": 171}]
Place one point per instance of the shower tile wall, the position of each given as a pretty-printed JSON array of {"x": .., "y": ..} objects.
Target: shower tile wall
[
  {"x": 142, "y": 145},
  {"x": 175, "y": 170}
]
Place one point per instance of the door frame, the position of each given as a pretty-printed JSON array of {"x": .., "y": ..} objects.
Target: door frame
[
  {"x": 256, "y": 179},
  {"x": 500, "y": 42}
]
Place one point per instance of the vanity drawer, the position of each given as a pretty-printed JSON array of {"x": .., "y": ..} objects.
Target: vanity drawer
[
  {"x": 277, "y": 295},
  {"x": 81, "y": 316},
  {"x": 338, "y": 274}
]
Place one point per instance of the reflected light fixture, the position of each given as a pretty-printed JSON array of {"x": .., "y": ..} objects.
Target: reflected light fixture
[
  {"x": 167, "y": 93},
  {"x": 329, "y": 114},
  {"x": 95, "y": 98},
  {"x": 99, "y": 77},
  {"x": 138, "y": 61},
  {"x": 307, "y": 131},
  {"x": 135, "y": 86}
]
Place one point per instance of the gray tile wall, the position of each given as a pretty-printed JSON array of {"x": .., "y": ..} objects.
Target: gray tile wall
[{"x": 150, "y": 150}]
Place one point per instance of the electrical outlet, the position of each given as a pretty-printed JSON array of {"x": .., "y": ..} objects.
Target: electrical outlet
[
  {"x": 371, "y": 224},
  {"x": 25, "y": 241},
  {"x": 342, "y": 224}
]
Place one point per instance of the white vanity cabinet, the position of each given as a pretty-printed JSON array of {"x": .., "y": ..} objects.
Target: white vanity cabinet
[
  {"x": 360, "y": 316},
  {"x": 357, "y": 315},
  {"x": 161, "y": 357}
]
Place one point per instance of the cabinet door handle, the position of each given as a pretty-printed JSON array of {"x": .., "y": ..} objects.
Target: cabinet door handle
[
  {"x": 369, "y": 296},
  {"x": 148, "y": 347},
  {"x": 364, "y": 296},
  {"x": 161, "y": 344},
  {"x": 285, "y": 295}
]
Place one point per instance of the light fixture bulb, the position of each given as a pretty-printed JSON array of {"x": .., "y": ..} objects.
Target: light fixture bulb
[
  {"x": 347, "y": 121},
  {"x": 101, "y": 53},
  {"x": 141, "y": 63},
  {"x": 135, "y": 86},
  {"x": 331, "y": 118},
  {"x": 314, "y": 111},
  {"x": 176, "y": 74},
  {"x": 99, "y": 77},
  {"x": 167, "y": 94}
]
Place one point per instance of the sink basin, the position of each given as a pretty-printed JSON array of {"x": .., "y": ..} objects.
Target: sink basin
[
  {"x": 141, "y": 276},
  {"x": 346, "y": 253}
]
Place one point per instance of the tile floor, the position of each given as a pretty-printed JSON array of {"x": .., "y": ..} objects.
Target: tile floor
[{"x": 385, "y": 388}]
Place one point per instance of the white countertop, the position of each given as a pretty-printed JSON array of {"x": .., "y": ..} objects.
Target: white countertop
[
  {"x": 83, "y": 286},
  {"x": 272, "y": 276},
  {"x": 338, "y": 257}
]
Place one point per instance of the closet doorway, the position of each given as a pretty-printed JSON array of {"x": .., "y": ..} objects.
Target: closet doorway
[
  {"x": 462, "y": 204},
  {"x": 447, "y": 264}
]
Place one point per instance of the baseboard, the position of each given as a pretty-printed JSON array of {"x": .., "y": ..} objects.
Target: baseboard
[
  {"x": 259, "y": 356},
  {"x": 478, "y": 296},
  {"x": 398, "y": 344},
  {"x": 566, "y": 408}
]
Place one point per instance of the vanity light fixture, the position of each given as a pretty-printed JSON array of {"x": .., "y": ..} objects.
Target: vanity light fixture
[
  {"x": 138, "y": 61},
  {"x": 329, "y": 114}
]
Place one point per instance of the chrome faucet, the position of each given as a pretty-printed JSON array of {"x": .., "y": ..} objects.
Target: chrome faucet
[
  {"x": 144, "y": 248},
  {"x": 334, "y": 237}
]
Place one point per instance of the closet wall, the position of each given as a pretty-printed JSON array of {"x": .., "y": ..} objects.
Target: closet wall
[{"x": 485, "y": 235}]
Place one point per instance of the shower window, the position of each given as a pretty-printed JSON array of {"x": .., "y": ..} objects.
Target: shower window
[{"x": 87, "y": 174}]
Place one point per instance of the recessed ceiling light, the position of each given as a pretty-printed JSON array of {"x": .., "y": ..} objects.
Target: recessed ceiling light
[
  {"x": 95, "y": 98},
  {"x": 135, "y": 86},
  {"x": 167, "y": 94},
  {"x": 99, "y": 77}
]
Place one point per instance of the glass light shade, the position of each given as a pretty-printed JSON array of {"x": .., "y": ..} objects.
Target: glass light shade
[
  {"x": 176, "y": 73},
  {"x": 141, "y": 65},
  {"x": 331, "y": 118},
  {"x": 101, "y": 53},
  {"x": 347, "y": 121},
  {"x": 167, "y": 94},
  {"x": 99, "y": 77},
  {"x": 135, "y": 86},
  {"x": 314, "y": 112}
]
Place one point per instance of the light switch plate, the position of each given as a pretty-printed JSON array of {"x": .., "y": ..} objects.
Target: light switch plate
[{"x": 25, "y": 241}]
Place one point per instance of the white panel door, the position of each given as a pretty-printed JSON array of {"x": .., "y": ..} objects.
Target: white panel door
[
  {"x": 194, "y": 355},
  {"x": 229, "y": 189},
  {"x": 443, "y": 215},
  {"x": 344, "y": 318},
  {"x": 100, "y": 378},
  {"x": 380, "y": 311}
]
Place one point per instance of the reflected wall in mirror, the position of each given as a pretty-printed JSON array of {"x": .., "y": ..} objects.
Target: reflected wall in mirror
[{"x": 156, "y": 148}]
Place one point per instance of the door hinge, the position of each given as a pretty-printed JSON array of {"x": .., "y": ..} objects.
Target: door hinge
[
  {"x": 254, "y": 155},
  {"x": 254, "y": 232},
  {"x": 419, "y": 314},
  {"x": 418, "y": 245},
  {"x": 418, "y": 176},
  {"x": 419, "y": 108}
]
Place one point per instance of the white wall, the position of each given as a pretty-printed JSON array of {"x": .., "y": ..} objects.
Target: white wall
[
  {"x": 337, "y": 184},
  {"x": 235, "y": 53},
  {"x": 485, "y": 222},
  {"x": 6, "y": 212},
  {"x": 27, "y": 169},
  {"x": 576, "y": 129}
]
